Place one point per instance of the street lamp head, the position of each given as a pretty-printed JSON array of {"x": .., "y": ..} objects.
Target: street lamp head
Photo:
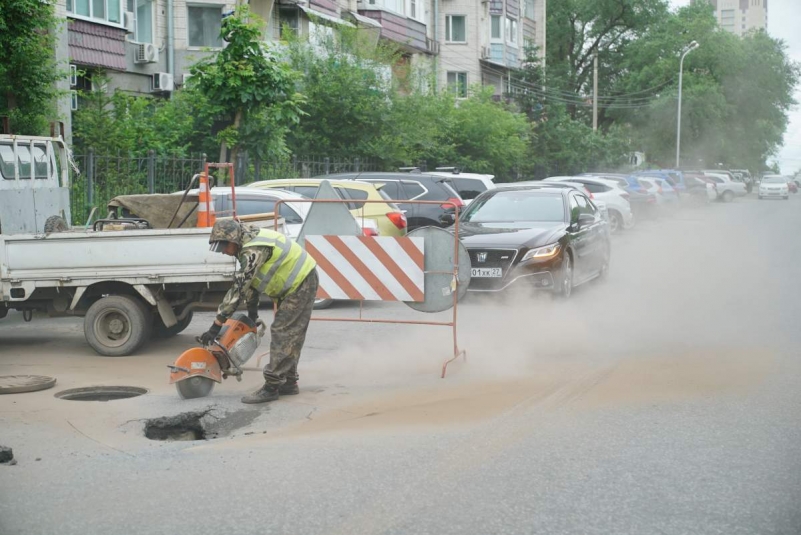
[{"x": 689, "y": 48}]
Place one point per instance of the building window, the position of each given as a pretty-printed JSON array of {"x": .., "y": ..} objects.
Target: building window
[
  {"x": 143, "y": 14},
  {"x": 457, "y": 83},
  {"x": 287, "y": 22},
  {"x": 204, "y": 25},
  {"x": 727, "y": 17},
  {"x": 511, "y": 31},
  {"x": 104, "y": 11},
  {"x": 528, "y": 9},
  {"x": 455, "y": 29},
  {"x": 413, "y": 8},
  {"x": 496, "y": 32}
]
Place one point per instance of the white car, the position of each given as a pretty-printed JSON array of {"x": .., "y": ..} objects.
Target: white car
[
  {"x": 251, "y": 201},
  {"x": 610, "y": 193},
  {"x": 468, "y": 185},
  {"x": 727, "y": 188},
  {"x": 774, "y": 187}
]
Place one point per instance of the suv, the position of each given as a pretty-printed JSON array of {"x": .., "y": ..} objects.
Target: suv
[
  {"x": 390, "y": 219},
  {"x": 414, "y": 187}
]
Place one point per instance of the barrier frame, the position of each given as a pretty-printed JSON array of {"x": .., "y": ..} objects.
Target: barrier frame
[{"x": 454, "y": 272}]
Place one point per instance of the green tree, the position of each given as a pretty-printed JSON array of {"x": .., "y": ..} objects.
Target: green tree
[
  {"x": 254, "y": 89},
  {"x": 28, "y": 68}
]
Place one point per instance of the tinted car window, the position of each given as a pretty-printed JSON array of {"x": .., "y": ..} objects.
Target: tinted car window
[
  {"x": 412, "y": 189},
  {"x": 390, "y": 190},
  {"x": 469, "y": 188},
  {"x": 306, "y": 191},
  {"x": 596, "y": 188},
  {"x": 355, "y": 194},
  {"x": 516, "y": 206}
]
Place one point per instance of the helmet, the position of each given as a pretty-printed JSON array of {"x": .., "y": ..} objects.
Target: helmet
[{"x": 224, "y": 231}]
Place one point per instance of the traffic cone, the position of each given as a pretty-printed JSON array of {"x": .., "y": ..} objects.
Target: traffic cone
[{"x": 205, "y": 209}]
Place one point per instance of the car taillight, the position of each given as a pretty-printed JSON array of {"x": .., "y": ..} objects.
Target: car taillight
[
  {"x": 369, "y": 232},
  {"x": 625, "y": 195},
  {"x": 451, "y": 202},
  {"x": 398, "y": 219}
]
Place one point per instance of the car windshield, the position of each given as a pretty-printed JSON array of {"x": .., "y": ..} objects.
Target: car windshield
[
  {"x": 774, "y": 180},
  {"x": 515, "y": 206}
]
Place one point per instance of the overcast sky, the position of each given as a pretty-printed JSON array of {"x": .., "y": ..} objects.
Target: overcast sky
[{"x": 784, "y": 17}]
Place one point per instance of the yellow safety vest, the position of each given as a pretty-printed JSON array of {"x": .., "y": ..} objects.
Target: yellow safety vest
[{"x": 286, "y": 269}]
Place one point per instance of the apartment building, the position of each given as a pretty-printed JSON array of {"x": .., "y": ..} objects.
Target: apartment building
[
  {"x": 741, "y": 16},
  {"x": 147, "y": 46},
  {"x": 482, "y": 41}
]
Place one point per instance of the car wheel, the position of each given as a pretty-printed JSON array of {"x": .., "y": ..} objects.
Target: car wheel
[
  {"x": 615, "y": 222},
  {"x": 565, "y": 289},
  {"x": 728, "y": 196},
  {"x": 787, "y": 198},
  {"x": 759, "y": 197}
]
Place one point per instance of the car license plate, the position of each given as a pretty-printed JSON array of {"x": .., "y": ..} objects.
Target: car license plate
[{"x": 486, "y": 272}]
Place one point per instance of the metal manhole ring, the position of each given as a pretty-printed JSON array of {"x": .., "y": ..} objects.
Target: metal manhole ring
[
  {"x": 101, "y": 393},
  {"x": 17, "y": 384}
]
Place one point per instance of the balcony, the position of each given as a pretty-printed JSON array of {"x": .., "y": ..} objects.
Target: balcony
[{"x": 408, "y": 33}]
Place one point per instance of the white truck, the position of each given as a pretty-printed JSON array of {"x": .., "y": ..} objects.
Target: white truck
[{"x": 128, "y": 284}]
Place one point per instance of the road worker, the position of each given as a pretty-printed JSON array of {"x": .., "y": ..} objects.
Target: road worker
[{"x": 271, "y": 264}]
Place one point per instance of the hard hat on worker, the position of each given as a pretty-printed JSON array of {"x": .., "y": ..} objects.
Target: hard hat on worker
[{"x": 225, "y": 231}]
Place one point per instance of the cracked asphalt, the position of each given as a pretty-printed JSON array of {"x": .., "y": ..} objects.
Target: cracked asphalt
[{"x": 664, "y": 400}]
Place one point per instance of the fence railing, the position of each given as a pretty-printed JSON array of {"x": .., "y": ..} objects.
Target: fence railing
[{"x": 100, "y": 178}]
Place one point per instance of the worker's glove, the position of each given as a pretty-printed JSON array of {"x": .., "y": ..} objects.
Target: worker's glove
[
  {"x": 209, "y": 336},
  {"x": 253, "y": 314}
]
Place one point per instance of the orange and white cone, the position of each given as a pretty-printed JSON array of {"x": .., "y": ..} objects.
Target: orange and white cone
[{"x": 205, "y": 209}]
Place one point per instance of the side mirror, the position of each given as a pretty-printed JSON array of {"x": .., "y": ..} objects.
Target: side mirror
[
  {"x": 447, "y": 219},
  {"x": 585, "y": 220}
]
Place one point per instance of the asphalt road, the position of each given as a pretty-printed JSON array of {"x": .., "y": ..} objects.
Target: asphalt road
[{"x": 664, "y": 400}]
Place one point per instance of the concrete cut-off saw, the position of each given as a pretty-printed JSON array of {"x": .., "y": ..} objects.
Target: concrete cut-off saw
[{"x": 196, "y": 370}]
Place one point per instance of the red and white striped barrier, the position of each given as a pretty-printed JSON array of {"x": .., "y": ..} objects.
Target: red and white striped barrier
[{"x": 369, "y": 269}]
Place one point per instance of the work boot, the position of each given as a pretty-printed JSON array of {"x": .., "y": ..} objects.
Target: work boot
[
  {"x": 289, "y": 389},
  {"x": 262, "y": 395}
]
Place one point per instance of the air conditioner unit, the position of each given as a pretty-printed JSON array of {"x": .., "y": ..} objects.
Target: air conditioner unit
[
  {"x": 146, "y": 53},
  {"x": 130, "y": 22},
  {"x": 486, "y": 52},
  {"x": 162, "y": 82}
]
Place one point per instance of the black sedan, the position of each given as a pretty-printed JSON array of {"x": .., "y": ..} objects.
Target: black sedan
[{"x": 538, "y": 237}]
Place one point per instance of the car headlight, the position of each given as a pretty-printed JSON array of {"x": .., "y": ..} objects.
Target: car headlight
[{"x": 547, "y": 251}]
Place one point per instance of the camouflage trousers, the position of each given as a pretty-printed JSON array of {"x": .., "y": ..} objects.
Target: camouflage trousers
[{"x": 288, "y": 332}]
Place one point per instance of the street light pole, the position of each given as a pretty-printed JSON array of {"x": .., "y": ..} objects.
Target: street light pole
[{"x": 692, "y": 46}]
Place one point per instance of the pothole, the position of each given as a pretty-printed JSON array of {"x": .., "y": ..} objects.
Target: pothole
[
  {"x": 189, "y": 426},
  {"x": 101, "y": 393}
]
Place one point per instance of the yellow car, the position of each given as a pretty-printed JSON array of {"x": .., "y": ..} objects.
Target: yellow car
[{"x": 390, "y": 219}]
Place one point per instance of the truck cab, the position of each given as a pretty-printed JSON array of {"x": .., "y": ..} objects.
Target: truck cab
[{"x": 34, "y": 185}]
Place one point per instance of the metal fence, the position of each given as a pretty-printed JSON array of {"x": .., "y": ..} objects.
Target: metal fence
[{"x": 100, "y": 178}]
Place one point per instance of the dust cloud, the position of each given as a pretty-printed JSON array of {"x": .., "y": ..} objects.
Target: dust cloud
[{"x": 686, "y": 288}]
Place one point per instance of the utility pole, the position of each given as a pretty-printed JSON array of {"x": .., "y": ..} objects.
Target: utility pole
[{"x": 595, "y": 93}]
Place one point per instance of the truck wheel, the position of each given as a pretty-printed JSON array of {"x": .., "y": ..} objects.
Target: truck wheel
[
  {"x": 55, "y": 223},
  {"x": 117, "y": 325},
  {"x": 162, "y": 331}
]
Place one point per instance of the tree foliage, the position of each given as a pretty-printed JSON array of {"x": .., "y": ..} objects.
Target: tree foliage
[
  {"x": 28, "y": 68},
  {"x": 253, "y": 88}
]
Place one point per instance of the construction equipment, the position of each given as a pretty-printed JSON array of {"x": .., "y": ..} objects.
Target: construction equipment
[{"x": 196, "y": 370}]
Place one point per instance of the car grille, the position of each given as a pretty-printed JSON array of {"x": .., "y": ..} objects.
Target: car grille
[{"x": 495, "y": 258}]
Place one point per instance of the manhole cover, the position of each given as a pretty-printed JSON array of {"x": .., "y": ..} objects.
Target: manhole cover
[
  {"x": 101, "y": 393},
  {"x": 16, "y": 384}
]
